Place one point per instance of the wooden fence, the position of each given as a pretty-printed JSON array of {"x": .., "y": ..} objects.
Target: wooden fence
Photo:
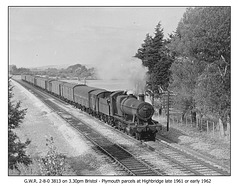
[{"x": 209, "y": 126}]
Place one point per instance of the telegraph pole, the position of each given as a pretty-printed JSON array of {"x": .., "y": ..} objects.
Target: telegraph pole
[
  {"x": 168, "y": 110},
  {"x": 166, "y": 93}
]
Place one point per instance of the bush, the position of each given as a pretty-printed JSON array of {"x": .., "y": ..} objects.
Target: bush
[
  {"x": 16, "y": 149},
  {"x": 53, "y": 164}
]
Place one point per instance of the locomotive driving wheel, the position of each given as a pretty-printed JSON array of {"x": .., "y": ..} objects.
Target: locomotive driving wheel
[
  {"x": 138, "y": 135},
  {"x": 118, "y": 125}
]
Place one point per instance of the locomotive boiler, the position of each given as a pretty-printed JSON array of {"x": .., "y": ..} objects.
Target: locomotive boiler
[
  {"x": 136, "y": 108},
  {"x": 136, "y": 117}
]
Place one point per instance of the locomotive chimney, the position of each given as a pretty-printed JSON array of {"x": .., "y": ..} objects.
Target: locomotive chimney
[{"x": 141, "y": 97}]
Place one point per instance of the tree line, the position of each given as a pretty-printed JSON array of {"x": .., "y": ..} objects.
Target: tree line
[
  {"x": 76, "y": 71},
  {"x": 194, "y": 62}
]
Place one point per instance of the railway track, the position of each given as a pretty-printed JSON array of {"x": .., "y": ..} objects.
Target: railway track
[
  {"x": 186, "y": 162},
  {"x": 121, "y": 156},
  {"x": 194, "y": 153}
]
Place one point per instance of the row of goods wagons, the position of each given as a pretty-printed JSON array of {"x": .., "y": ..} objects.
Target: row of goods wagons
[
  {"x": 34, "y": 80},
  {"x": 79, "y": 93},
  {"x": 86, "y": 96}
]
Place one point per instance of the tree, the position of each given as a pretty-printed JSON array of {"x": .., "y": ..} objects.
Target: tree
[
  {"x": 143, "y": 53},
  {"x": 13, "y": 69},
  {"x": 81, "y": 72},
  {"x": 157, "y": 58},
  {"x": 16, "y": 149},
  {"x": 185, "y": 73},
  {"x": 54, "y": 163},
  {"x": 213, "y": 92},
  {"x": 203, "y": 35}
]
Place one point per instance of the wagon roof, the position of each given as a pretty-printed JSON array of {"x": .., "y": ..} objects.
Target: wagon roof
[
  {"x": 58, "y": 82},
  {"x": 116, "y": 92},
  {"x": 98, "y": 91},
  {"x": 50, "y": 80},
  {"x": 71, "y": 85},
  {"x": 85, "y": 88},
  {"x": 40, "y": 78}
]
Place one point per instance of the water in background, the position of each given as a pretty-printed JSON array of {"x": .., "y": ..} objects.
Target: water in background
[
  {"x": 120, "y": 75},
  {"x": 110, "y": 85}
]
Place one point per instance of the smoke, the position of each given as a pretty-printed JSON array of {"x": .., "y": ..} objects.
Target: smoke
[
  {"x": 137, "y": 76},
  {"x": 130, "y": 70}
]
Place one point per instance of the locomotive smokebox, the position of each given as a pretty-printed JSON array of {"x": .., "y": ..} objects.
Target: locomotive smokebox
[
  {"x": 141, "y": 97},
  {"x": 132, "y": 106}
]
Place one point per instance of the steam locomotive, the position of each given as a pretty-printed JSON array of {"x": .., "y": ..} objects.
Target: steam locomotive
[{"x": 119, "y": 109}]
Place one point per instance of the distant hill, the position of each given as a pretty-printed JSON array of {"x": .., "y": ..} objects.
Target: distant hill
[
  {"x": 50, "y": 66},
  {"x": 78, "y": 71},
  {"x": 81, "y": 71},
  {"x": 73, "y": 68}
]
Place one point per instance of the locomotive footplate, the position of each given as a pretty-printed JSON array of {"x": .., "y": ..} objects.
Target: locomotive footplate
[
  {"x": 146, "y": 128},
  {"x": 141, "y": 128},
  {"x": 142, "y": 132}
]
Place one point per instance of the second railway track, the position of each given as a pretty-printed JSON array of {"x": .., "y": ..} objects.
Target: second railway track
[{"x": 191, "y": 164}]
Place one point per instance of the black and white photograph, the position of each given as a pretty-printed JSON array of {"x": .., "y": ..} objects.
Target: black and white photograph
[{"x": 107, "y": 94}]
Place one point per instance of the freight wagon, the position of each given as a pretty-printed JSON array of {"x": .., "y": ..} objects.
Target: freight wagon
[
  {"x": 68, "y": 91},
  {"x": 56, "y": 87},
  {"x": 41, "y": 82},
  {"x": 82, "y": 97}
]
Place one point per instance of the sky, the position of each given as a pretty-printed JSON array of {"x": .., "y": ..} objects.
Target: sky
[{"x": 92, "y": 36}]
